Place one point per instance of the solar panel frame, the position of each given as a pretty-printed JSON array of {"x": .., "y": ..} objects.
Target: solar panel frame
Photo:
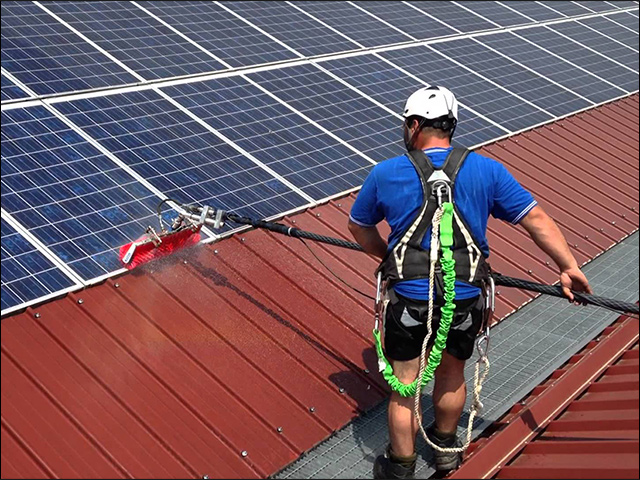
[
  {"x": 570, "y": 9},
  {"x": 178, "y": 156},
  {"x": 623, "y": 18},
  {"x": 49, "y": 58},
  {"x": 597, "y": 6},
  {"x": 28, "y": 275},
  {"x": 68, "y": 194},
  {"x": 531, "y": 86},
  {"x": 534, "y": 10},
  {"x": 357, "y": 120},
  {"x": 135, "y": 38},
  {"x": 220, "y": 32},
  {"x": 292, "y": 27},
  {"x": 612, "y": 29}
]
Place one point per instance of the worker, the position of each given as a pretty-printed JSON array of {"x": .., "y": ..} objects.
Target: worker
[{"x": 393, "y": 191}]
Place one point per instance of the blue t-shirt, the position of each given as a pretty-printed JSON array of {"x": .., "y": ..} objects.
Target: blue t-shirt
[{"x": 483, "y": 187}]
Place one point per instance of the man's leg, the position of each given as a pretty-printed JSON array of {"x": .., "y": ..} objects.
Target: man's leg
[
  {"x": 403, "y": 424},
  {"x": 449, "y": 393}
]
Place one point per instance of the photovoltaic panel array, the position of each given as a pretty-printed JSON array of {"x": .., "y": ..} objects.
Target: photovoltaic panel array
[{"x": 262, "y": 108}]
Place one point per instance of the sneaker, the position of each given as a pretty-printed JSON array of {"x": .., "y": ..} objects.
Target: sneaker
[
  {"x": 445, "y": 461},
  {"x": 385, "y": 467}
]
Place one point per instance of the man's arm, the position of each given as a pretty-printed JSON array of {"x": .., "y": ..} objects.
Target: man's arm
[
  {"x": 369, "y": 238},
  {"x": 546, "y": 234}
]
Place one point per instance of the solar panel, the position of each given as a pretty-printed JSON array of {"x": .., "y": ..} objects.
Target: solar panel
[
  {"x": 27, "y": 274},
  {"x": 623, "y": 4},
  {"x": 556, "y": 68},
  {"x": 139, "y": 41},
  {"x": 353, "y": 22},
  {"x": 534, "y": 10},
  {"x": 220, "y": 32},
  {"x": 408, "y": 19},
  {"x": 602, "y": 44},
  {"x": 292, "y": 27},
  {"x": 453, "y": 15},
  {"x": 10, "y": 91},
  {"x": 352, "y": 117},
  {"x": 48, "y": 58},
  {"x": 626, "y": 20},
  {"x": 179, "y": 156},
  {"x": 579, "y": 55},
  {"x": 614, "y": 30},
  {"x": 597, "y": 6},
  {"x": 529, "y": 85},
  {"x": 489, "y": 100},
  {"x": 391, "y": 87},
  {"x": 67, "y": 194},
  {"x": 569, "y": 9},
  {"x": 294, "y": 148},
  {"x": 498, "y": 13}
]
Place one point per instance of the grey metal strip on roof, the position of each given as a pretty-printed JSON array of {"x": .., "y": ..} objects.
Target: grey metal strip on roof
[{"x": 525, "y": 349}]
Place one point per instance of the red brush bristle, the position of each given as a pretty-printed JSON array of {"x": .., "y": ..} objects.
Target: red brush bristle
[{"x": 147, "y": 252}]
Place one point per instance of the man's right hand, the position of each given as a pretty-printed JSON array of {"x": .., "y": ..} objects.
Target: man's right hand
[{"x": 574, "y": 279}]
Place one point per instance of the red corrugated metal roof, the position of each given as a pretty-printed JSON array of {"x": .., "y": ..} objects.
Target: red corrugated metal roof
[
  {"x": 581, "y": 423},
  {"x": 252, "y": 346}
]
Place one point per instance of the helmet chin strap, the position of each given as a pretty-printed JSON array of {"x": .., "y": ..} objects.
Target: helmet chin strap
[{"x": 408, "y": 143}]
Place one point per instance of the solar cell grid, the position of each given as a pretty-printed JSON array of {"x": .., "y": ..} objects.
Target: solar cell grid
[
  {"x": 569, "y": 9},
  {"x": 497, "y": 12},
  {"x": 294, "y": 148},
  {"x": 534, "y": 10},
  {"x": 220, "y": 32},
  {"x": 407, "y": 19},
  {"x": 391, "y": 87},
  {"x": 48, "y": 58},
  {"x": 179, "y": 156},
  {"x": 67, "y": 194},
  {"x": 352, "y": 117},
  {"x": 27, "y": 274},
  {"x": 353, "y": 22},
  {"x": 136, "y": 39},
  {"x": 583, "y": 57},
  {"x": 610, "y": 28},
  {"x": 10, "y": 91},
  {"x": 479, "y": 94},
  {"x": 529, "y": 85},
  {"x": 453, "y": 15},
  {"x": 555, "y": 68},
  {"x": 292, "y": 27},
  {"x": 602, "y": 44},
  {"x": 625, "y": 19}
]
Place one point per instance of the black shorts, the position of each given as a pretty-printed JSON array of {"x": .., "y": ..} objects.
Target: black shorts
[{"x": 405, "y": 327}]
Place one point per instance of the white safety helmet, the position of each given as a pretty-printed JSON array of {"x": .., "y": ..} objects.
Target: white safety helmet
[{"x": 433, "y": 103}]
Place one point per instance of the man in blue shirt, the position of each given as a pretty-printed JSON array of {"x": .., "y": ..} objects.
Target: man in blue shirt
[{"x": 393, "y": 192}]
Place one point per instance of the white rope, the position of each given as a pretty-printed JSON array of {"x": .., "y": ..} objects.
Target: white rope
[{"x": 478, "y": 379}]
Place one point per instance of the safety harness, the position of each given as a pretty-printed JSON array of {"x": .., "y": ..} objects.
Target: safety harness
[{"x": 453, "y": 255}]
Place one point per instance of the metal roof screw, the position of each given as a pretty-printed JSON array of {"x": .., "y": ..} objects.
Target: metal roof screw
[
  {"x": 587, "y": 237},
  {"x": 601, "y": 230},
  {"x": 117, "y": 285},
  {"x": 368, "y": 387},
  {"x": 575, "y": 245},
  {"x": 613, "y": 223},
  {"x": 498, "y": 292},
  {"x": 279, "y": 429},
  {"x": 318, "y": 214},
  {"x": 36, "y": 315},
  {"x": 184, "y": 261},
  {"x": 243, "y": 239},
  {"x": 205, "y": 477},
  {"x": 339, "y": 204},
  {"x": 80, "y": 301},
  {"x": 215, "y": 252},
  {"x": 312, "y": 409},
  {"x": 341, "y": 390},
  {"x": 547, "y": 263},
  {"x": 529, "y": 272},
  {"x": 624, "y": 215},
  {"x": 244, "y": 453},
  {"x": 366, "y": 370},
  {"x": 293, "y": 221}
]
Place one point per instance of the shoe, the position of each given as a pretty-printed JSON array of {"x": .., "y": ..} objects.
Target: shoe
[
  {"x": 385, "y": 467},
  {"x": 445, "y": 461}
]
